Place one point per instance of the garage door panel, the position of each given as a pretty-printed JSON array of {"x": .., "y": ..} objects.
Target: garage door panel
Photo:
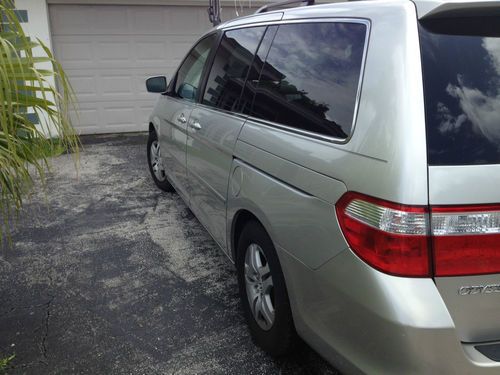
[
  {"x": 113, "y": 51},
  {"x": 118, "y": 86},
  {"x": 187, "y": 20},
  {"x": 106, "y": 84},
  {"x": 110, "y": 19},
  {"x": 120, "y": 116},
  {"x": 151, "y": 52},
  {"x": 149, "y": 20},
  {"x": 108, "y": 51},
  {"x": 74, "y": 51},
  {"x": 84, "y": 86},
  {"x": 86, "y": 118},
  {"x": 70, "y": 20}
]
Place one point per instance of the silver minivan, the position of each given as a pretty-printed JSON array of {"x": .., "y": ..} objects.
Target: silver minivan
[{"x": 346, "y": 158}]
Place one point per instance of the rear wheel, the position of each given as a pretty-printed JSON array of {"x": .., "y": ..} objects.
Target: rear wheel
[
  {"x": 263, "y": 292},
  {"x": 155, "y": 163}
]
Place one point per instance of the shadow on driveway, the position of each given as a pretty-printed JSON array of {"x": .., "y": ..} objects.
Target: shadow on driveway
[{"x": 109, "y": 275}]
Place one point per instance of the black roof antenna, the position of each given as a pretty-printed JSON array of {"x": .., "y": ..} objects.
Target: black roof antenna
[{"x": 214, "y": 12}]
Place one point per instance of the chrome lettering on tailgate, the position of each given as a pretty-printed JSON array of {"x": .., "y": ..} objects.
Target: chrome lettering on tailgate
[{"x": 479, "y": 289}]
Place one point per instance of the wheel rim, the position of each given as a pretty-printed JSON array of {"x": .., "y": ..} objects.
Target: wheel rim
[
  {"x": 156, "y": 162},
  {"x": 259, "y": 286}
]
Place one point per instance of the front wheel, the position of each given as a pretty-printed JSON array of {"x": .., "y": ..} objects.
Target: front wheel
[
  {"x": 155, "y": 163},
  {"x": 263, "y": 292}
]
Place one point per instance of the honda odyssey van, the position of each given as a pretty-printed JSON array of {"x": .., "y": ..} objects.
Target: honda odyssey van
[{"x": 346, "y": 158}]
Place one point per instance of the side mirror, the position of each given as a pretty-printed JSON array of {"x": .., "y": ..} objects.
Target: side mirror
[
  {"x": 157, "y": 84},
  {"x": 187, "y": 91}
]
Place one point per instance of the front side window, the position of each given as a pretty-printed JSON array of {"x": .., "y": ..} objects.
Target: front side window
[
  {"x": 189, "y": 74},
  {"x": 461, "y": 71},
  {"x": 230, "y": 68},
  {"x": 311, "y": 76}
]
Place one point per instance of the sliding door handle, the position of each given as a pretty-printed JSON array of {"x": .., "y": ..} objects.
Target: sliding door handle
[
  {"x": 195, "y": 125},
  {"x": 182, "y": 118}
]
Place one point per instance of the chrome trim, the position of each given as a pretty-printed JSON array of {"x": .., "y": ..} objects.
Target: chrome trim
[
  {"x": 271, "y": 16},
  {"x": 265, "y": 8},
  {"x": 223, "y": 111}
]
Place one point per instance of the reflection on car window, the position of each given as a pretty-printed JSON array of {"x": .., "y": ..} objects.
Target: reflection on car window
[
  {"x": 189, "y": 75},
  {"x": 247, "y": 97},
  {"x": 230, "y": 68},
  {"x": 311, "y": 77},
  {"x": 461, "y": 67}
]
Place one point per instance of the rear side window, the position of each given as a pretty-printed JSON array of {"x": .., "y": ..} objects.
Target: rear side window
[
  {"x": 311, "y": 76},
  {"x": 461, "y": 71},
  {"x": 247, "y": 97},
  {"x": 230, "y": 67}
]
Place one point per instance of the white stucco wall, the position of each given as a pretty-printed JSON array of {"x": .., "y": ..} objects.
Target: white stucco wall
[{"x": 38, "y": 27}]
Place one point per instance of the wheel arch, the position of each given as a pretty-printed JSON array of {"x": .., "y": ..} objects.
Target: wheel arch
[
  {"x": 241, "y": 217},
  {"x": 154, "y": 124}
]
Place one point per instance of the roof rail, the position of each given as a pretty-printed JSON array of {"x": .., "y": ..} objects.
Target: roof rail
[{"x": 279, "y": 4}]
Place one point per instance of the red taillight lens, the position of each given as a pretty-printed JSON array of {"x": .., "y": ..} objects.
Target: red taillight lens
[
  {"x": 395, "y": 238},
  {"x": 466, "y": 240},
  {"x": 389, "y": 237}
]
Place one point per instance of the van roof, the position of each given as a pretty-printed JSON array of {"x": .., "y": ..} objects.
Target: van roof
[{"x": 425, "y": 9}]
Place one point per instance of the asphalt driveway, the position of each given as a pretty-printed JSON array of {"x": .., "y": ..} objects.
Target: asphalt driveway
[{"x": 109, "y": 275}]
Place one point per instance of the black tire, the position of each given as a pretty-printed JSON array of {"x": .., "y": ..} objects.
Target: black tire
[
  {"x": 281, "y": 339},
  {"x": 163, "y": 184}
]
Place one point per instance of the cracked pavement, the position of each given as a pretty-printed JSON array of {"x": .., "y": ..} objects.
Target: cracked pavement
[{"x": 109, "y": 275}]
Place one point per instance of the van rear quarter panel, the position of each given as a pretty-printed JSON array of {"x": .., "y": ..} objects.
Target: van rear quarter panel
[{"x": 303, "y": 224}]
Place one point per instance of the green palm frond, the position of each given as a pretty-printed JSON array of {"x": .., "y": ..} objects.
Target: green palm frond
[{"x": 27, "y": 91}]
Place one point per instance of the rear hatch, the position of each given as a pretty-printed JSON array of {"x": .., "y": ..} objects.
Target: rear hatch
[{"x": 461, "y": 71}]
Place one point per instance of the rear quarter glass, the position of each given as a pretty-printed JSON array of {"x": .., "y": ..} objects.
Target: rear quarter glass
[{"x": 461, "y": 72}]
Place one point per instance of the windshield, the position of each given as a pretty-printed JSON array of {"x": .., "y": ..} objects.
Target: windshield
[{"x": 461, "y": 69}]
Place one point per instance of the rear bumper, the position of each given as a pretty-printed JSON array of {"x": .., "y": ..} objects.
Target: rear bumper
[{"x": 364, "y": 321}]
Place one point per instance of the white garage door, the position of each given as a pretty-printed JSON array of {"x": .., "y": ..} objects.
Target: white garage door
[{"x": 108, "y": 52}]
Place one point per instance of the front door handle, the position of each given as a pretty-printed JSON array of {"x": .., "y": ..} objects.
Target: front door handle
[
  {"x": 195, "y": 125},
  {"x": 182, "y": 118}
]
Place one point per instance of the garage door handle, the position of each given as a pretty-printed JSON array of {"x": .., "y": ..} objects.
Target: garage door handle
[
  {"x": 195, "y": 125},
  {"x": 182, "y": 119}
]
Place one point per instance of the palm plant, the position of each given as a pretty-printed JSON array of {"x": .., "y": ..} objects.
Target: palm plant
[{"x": 27, "y": 91}]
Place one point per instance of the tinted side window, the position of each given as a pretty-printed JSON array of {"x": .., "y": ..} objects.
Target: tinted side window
[
  {"x": 189, "y": 74},
  {"x": 461, "y": 71},
  {"x": 246, "y": 99},
  {"x": 230, "y": 68},
  {"x": 311, "y": 76}
]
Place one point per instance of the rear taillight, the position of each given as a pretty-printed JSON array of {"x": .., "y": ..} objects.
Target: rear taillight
[
  {"x": 418, "y": 241},
  {"x": 466, "y": 240},
  {"x": 389, "y": 237}
]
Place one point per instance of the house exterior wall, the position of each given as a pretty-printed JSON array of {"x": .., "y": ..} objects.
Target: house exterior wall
[{"x": 33, "y": 15}]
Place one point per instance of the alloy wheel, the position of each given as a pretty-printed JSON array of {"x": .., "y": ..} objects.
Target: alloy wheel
[
  {"x": 156, "y": 162},
  {"x": 259, "y": 286}
]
